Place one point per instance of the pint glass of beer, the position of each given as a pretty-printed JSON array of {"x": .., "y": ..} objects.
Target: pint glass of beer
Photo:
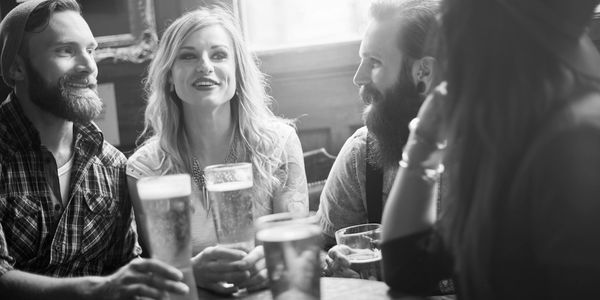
[
  {"x": 229, "y": 189},
  {"x": 292, "y": 246},
  {"x": 165, "y": 205},
  {"x": 363, "y": 241}
]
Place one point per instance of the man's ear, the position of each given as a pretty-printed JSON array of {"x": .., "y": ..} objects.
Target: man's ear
[
  {"x": 17, "y": 69},
  {"x": 423, "y": 71}
]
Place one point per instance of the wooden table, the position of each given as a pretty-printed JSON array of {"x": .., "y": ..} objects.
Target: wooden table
[{"x": 333, "y": 289}]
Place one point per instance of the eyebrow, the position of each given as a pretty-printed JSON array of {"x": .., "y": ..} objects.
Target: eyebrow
[
  {"x": 212, "y": 47},
  {"x": 59, "y": 43}
]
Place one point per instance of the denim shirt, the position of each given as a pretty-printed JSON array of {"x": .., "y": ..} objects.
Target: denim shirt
[{"x": 343, "y": 200}]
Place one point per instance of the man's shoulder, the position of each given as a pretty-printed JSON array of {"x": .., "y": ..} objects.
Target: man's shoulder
[
  {"x": 359, "y": 137},
  {"x": 111, "y": 156},
  {"x": 356, "y": 144},
  {"x": 15, "y": 130}
]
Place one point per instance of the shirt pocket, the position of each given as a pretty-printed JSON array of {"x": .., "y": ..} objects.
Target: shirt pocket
[
  {"x": 101, "y": 214},
  {"x": 23, "y": 226}
]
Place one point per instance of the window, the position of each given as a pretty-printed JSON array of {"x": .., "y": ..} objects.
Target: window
[{"x": 271, "y": 24}]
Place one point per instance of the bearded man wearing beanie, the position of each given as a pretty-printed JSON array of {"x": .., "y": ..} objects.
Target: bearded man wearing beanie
[{"x": 66, "y": 222}]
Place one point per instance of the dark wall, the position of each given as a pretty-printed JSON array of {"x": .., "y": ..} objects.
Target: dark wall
[{"x": 127, "y": 79}]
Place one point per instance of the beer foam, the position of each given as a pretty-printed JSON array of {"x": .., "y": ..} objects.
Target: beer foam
[
  {"x": 164, "y": 187},
  {"x": 365, "y": 256},
  {"x": 228, "y": 186},
  {"x": 287, "y": 233}
]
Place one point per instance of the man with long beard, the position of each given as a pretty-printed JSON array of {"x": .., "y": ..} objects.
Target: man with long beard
[
  {"x": 66, "y": 220},
  {"x": 396, "y": 72}
]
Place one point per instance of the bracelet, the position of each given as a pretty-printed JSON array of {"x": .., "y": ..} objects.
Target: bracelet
[{"x": 427, "y": 174}]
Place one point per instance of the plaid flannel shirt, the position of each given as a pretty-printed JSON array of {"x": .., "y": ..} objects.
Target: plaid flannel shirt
[{"x": 93, "y": 234}]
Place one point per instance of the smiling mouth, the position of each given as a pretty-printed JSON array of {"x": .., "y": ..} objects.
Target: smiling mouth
[
  {"x": 79, "y": 84},
  {"x": 204, "y": 83}
]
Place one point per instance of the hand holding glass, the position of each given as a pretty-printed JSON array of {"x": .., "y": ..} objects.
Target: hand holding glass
[
  {"x": 229, "y": 189},
  {"x": 363, "y": 241}
]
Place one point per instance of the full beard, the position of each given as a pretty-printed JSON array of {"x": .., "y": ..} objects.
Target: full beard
[
  {"x": 79, "y": 105},
  {"x": 387, "y": 117}
]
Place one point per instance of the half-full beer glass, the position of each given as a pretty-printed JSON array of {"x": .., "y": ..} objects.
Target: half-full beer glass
[
  {"x": 363, "y": 240},
  {"x": 292, "y": 246},
  {"x": 165, "y": 205},
  {"x": 229, "y": 189}
]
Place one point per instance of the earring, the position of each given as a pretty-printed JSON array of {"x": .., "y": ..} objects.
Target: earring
[
  {"x": 420, "y": 75},
  {"x": 421, "y": 87}
]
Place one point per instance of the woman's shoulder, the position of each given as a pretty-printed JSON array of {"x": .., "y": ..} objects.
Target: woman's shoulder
[
  {"x": 282, "y": 134},
  {"x": 284, "y": 129},
  {"x": 149, "y": 148},
  {"x": 145, "y": 159},
  {"x": 285, "y": 140}
]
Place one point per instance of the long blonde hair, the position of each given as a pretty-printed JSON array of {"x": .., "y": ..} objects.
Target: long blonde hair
[{"x": 163, "y": 118}]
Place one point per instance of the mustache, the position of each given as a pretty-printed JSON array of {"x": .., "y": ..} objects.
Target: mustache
[
  {"x": 369, "y": 94},
  {"x": 89, "y": 81}
]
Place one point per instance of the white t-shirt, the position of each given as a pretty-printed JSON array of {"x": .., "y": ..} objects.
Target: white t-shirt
[{"x": 64, "y": 178}]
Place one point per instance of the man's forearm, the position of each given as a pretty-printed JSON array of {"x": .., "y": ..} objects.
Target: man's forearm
[{"x": 20, "y": 285}]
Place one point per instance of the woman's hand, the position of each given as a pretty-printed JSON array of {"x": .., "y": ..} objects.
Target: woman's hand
[
  {"x": 148, "y": 278},
  {"x": 338, "y": 264},
  {"x": 221, "y": 269},
  {"x": 258, "y": 270}
]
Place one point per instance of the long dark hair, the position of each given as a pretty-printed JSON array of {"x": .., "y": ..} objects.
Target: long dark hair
[{"x": 502, "y": 87}]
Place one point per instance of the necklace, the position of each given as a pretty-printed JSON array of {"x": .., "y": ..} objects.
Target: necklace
[{"x": 198, "y": 172}]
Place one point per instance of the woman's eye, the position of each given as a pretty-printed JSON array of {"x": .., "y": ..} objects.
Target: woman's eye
[
  {"x": 187, "y": 56},
  {"x": 220, "y": 55}
]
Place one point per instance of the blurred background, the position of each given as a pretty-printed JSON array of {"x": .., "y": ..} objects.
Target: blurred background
[{"x": 308, "y": 48}]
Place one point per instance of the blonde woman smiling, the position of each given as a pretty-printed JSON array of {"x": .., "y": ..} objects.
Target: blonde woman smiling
[{"x": 207, "y": 105}]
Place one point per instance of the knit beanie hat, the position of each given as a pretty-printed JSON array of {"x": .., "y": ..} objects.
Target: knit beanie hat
[{"x": 12, "y": 30}]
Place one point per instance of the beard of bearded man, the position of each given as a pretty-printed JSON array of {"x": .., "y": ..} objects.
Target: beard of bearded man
[
  {"x": 72, "y": 104},
  {"x": 387, "y": 118}
]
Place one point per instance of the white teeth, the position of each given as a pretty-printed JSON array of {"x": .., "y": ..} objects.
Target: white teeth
[
  {"x": 204, "y": 83},
  {"x": 77, "y": 85}
]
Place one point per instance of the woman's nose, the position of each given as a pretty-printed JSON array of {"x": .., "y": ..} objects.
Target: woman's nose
[{"x": 205, "y": 66}]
